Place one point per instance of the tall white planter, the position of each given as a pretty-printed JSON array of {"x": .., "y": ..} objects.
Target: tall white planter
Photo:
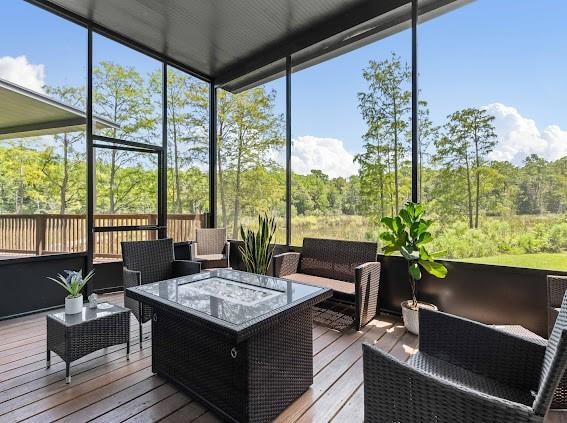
[
  {"x": 73, "y": 305},
  {"x": 411, "y": 316}
]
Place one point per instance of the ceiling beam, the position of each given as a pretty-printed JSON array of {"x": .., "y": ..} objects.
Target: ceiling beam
[{"x": 41, "y": 126}]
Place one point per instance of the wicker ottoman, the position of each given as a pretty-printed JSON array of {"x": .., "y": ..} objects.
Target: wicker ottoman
[
  {"x": 560, "y": 396},
  {"x": 72, "y": 336}
]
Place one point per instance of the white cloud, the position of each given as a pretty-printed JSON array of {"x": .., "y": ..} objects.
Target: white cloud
[
  {"x": 519, "y": 136},
  {"x": 326, "y": 154},
  {"x": 19, "y": 71}
]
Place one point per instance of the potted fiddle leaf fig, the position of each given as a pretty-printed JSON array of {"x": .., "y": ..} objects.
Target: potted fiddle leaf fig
[
  {"x": 408, "y": 235},
  {"x": 73, "y": 283},
  {"x": 258, "y": 250}
]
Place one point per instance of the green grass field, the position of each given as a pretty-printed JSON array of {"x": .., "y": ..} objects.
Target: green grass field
[
  {"x": 510, "y": 229},
  {"x": 548, "y": 261}
]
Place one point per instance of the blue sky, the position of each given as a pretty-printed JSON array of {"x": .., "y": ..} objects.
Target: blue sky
[{"x": 507, "y": 53}]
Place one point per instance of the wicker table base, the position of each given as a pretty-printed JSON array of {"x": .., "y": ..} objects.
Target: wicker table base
[
  {"x": 251, "y": 381},
  {"x": 72, "y": 336}
]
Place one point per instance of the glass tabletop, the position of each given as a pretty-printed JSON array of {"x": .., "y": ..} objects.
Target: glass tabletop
[
  {"x": 232, "y": 296},
  {"x": 88, "y": 314}
]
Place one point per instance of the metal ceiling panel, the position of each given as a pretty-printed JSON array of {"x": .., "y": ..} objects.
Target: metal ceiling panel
[{"x": 231, "y": 41}]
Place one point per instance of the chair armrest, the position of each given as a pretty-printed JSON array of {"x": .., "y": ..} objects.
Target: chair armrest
[
  {"x": 185, "y": 267},
  {"x": 193, "y": 250},
  {"x": 501, "y": 356},
  {"x": 286, "y": 264},
  {"x": 395, "y": 391},
  {"x": 227, "y": 253},
  {"x": 131, "y": 278},
  {"x": 556, "y": 287},
  {"x": 367, "y": 285}
]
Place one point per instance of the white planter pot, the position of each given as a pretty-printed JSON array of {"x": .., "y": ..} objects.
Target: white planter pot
[
  {"x": 411, "y": 316},
  {"x": 73, "y": 305}
]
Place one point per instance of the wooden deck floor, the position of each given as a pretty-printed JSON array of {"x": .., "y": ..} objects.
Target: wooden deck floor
[{"x": 107, "y": 388}]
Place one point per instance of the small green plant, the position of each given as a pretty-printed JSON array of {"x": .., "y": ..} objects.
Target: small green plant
[
  {"x": 257, "y": 251},
  {"x": 74, "y": 282},
  {"x": 408, "y": 234}
]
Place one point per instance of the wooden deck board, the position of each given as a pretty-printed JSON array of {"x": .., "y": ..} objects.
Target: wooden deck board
[{"x": 108, "y": 388}]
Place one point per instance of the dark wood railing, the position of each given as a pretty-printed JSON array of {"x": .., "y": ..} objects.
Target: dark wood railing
[{"x": 52, "y": 233}]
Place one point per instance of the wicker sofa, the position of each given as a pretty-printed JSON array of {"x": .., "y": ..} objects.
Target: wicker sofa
[
  {"x": 147, "y": 262},
  {"x": 349, "y": 268},
  {"x": 465, "y": 372}
]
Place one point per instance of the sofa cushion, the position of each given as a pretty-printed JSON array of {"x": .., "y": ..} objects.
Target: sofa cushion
[{"x": 335, "y": 285}]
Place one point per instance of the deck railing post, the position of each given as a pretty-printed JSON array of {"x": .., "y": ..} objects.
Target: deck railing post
[
  {"x": 40, "y": 227},
  {"x": 153, "y": 220}
]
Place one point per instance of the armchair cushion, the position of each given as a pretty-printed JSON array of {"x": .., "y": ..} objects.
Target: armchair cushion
[{"x": 205, "y": 257}]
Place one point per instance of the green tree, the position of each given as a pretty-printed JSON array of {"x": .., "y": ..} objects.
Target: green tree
[
  {"x": 63, "y": 160},
  {"x": 121, "y": 95},
  {"x": 469, "y": 137},
  {"x": 386, "y": 108},
  {"x": 248, "y": 131},
  {"x": 532, "y": 185},
  {"x": 428, "y": 134},
  {"x": 187, "y": 127}
]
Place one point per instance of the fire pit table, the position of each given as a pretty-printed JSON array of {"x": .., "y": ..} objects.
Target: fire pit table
[{"x": 241, "y": 343}]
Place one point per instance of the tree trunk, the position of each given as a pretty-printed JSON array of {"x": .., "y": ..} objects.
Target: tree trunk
[
  {"x": 396, "y": 182},
  {"x": 20, "y": 190},
  {"x": 420, "y": 178},
  {"x": 221, "y": 178},
  {"x": 177, "y": 193},
  {"x": 477, "y": 174},
  {"x": 382, "y": 209},
  {"x": 469, "y": 192},
  {"x": 65, "y": 181},
  {"x": 236, "y": 216},
  {"x": 111, "y": 200}
]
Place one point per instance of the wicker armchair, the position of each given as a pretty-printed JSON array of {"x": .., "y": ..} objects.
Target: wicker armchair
[
  {"x": 147, "y": 262},
  {"x": 211, "y": 248},
  {"x": 349, "y": 268},
  {"x": 556, "y": 287},
  {"x": 465, "y": 372}
]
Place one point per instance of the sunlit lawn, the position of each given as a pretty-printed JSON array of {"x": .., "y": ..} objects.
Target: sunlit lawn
[{"x": 548, "y": 261}]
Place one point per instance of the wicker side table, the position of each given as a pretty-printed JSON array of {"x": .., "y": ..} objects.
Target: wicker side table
[{"x": 72, "y": 336}]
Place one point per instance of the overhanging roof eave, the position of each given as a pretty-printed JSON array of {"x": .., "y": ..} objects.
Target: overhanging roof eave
[{"x": 41, "y": 115}]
